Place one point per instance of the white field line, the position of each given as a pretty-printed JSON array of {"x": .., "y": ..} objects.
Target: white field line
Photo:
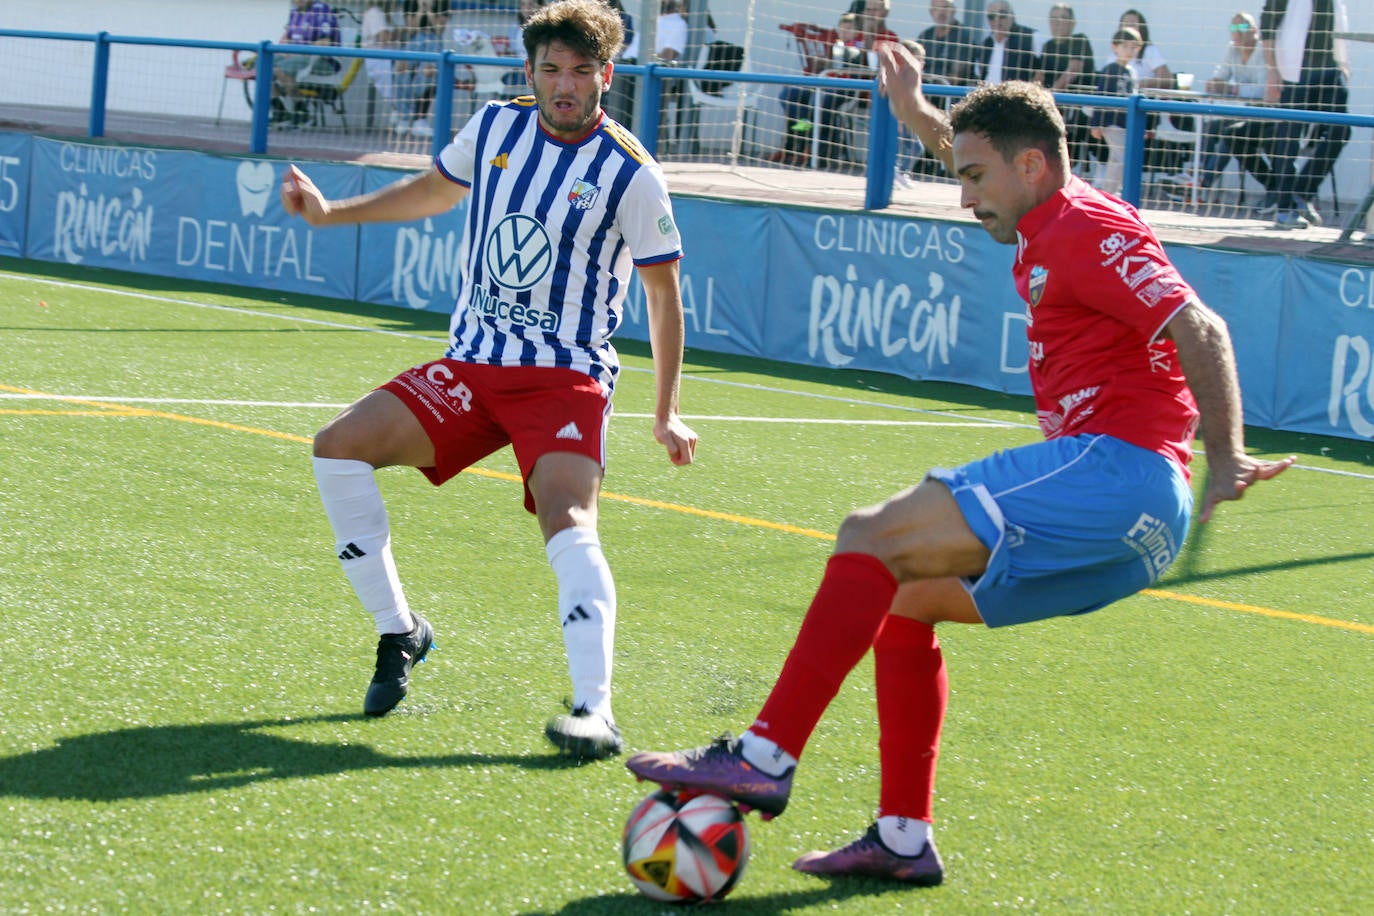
[
  {"x": 958, "y": 420},
  {"x": 321, "y": 405},
  {"x": 407, "y": 335}
]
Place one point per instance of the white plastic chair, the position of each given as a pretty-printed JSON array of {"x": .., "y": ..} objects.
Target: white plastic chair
[{"x": 741, "y": 99}]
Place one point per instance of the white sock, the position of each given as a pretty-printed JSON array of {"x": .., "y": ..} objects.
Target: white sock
[
  {"x": 765, "y": 755},
  {"x": 586, "y": 607},
  {"x": 362, "y": 534},
  {"x": 906, "y": 836}
]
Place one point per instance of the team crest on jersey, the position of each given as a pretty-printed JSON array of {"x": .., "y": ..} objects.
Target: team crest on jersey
[
  {"x": 583, "y": 194},
  {"x": 1039, "y": 276}
]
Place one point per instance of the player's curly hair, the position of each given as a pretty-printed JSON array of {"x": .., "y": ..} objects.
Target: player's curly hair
[
  {"x": 1013, "y": 116},
  {"x": 589, "y": 27}
]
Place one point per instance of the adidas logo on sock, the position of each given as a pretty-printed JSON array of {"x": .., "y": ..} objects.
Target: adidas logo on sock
[
  {"x": 578, "y": 613},
  {"x": 570, "y": 432},
  {"x": 351, "y": 552}
]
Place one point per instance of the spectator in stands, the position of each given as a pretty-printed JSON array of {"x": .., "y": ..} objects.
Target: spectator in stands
[
  {"x": 872, "y": 26},
  {"x": 1067, "y": 65},
  {"x": 1009, "y": 50},
  {"x": 515, "y": 42},
  {"x": 619, "y": 100},
  {"x": 381, "y": 30},
  {"x": 1109, "y": 124},
  {"x": 1066, "y": 62},
  {"x": 1151, "y": 71},
  {"x": 670, "y": 47},
  {"x": 1241, "y": 74},
  {"x": 1150, "y": 68},
  {"x": 311, "y": 22},
  {"x": 847, "y": 55},
  {"x": 672, "y": 33},
  {"x": 416, "y": 79},
  {"x": 1307, "y": 69},
  {"x": 951, "y": 48}
]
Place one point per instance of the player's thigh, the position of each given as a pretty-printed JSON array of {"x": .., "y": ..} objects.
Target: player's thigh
[
  {"x": 936, "y": 601},
  {"x": 378, "y": 429},
  {"x": 920, "y": 533},
  {"x": 565, "y": 487}
]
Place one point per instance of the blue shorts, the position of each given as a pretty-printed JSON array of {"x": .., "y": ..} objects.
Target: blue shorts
[{"x": 1073, "y": 524}]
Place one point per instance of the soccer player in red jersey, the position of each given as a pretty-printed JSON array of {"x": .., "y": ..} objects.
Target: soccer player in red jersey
[{"x": 1124, "y": 360}]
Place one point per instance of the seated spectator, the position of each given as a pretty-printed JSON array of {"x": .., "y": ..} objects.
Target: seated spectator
[
  {"x": 1109, "y": 124},
  {"x": 847, "y": 54},
  {"x": 1066, "y": 62},
  {"x": 872, "y": 28},
  {"x": 417, "y": 80},
  {"x": 1150, "y": 68},
  {"x": 1306, "y": 68},
  {"x": 381, "y": 31},
  {"x": 515, "y": 43},
  {"x": 1241, "y": 74},
  {"x": 311, "y": 22},
  {"x": 1008, "y": 53},
  {"x": 951, "y": 48},
  {"x": 1151, "y": 71},
  {"x": 1067, "y": 65}
]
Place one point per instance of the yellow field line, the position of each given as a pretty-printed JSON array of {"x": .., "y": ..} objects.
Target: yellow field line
[
  {"x": 120, "y": 410},
  {"x": 1263, "y": 611}
]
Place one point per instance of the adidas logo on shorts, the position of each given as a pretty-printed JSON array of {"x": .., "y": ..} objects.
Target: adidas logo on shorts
[{"x": 570, "y": 432}]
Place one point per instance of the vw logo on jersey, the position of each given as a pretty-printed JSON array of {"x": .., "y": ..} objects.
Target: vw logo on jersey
[{"x": 519, "y": 252}]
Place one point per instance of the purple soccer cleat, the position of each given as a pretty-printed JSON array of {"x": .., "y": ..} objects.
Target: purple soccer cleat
[
  {"x": 868, "y": 857},
  {"x": 716, "y": 769}
]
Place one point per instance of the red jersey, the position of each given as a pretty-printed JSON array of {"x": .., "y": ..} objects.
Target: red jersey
[{"x": 1099, "y": 291}]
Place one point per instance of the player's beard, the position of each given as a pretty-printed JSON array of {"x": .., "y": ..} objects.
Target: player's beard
[{"x": 577, "y": 121}]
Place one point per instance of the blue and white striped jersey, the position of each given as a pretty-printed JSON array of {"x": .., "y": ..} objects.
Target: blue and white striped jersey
[{"x": 553, "y": 232}]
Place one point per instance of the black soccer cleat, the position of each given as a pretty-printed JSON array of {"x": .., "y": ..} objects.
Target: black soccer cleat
[{"x": 397, "y": 653}]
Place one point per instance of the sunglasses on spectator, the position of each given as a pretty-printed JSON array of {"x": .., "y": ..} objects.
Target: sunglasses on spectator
[
  {"x": 998, "y": 14},
  {"x": 1240, "y": 27}
]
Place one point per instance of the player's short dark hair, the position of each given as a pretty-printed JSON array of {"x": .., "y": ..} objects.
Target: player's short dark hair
[
  {"x": 589, "y": 27},
  {"x": 1013, "y": 116}
]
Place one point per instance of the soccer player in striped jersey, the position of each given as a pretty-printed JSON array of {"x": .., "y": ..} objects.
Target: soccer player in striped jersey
[{"x": 563, "y": 203}]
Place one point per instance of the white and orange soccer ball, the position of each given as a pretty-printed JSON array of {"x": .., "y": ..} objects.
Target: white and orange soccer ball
[{"x": 682, "y": 848}]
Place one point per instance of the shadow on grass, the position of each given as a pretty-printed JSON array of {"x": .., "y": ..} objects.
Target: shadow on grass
[
  {"x": 1188, "y": 572},
  {"x": 163, "y": 760},
  {"x": 835, "y": 893}
]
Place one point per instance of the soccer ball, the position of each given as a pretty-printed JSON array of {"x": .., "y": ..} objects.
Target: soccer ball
[{"x": 682, "y": 848}]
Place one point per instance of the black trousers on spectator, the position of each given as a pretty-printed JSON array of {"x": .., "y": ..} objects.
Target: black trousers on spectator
[
  {"x": 1318, "y": 90},
  {"x": 1243, "y": 140}
]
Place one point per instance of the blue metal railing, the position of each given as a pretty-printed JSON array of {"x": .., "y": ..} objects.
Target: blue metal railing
[{"x": 882, "y": 132}]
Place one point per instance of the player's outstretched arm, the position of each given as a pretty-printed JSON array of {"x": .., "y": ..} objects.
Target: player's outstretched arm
[
  {"x": 1209, "y": 363},
  {"x": 663, "y": 295},
  {"x": 899, "y": 81},
  {"x": 427, "y": 193}
]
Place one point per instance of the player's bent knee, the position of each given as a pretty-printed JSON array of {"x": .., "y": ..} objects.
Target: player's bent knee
[{"x": 860, "y": 533}]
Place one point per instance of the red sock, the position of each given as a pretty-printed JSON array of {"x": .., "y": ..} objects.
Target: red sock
[
  {"x": 839, "y": 627},
  {"x": 913, "y": 689}
]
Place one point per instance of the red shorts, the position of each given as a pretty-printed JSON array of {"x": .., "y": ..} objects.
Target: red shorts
[{"x": 471, "y": 410}]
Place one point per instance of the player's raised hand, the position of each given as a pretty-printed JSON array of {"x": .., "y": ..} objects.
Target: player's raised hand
[
  {"x": 300, "y": 197},
  {"x": 678, "y": 438},
  {"x": 899, "y": 78},
  {"x": 1230, "y": 478}
]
